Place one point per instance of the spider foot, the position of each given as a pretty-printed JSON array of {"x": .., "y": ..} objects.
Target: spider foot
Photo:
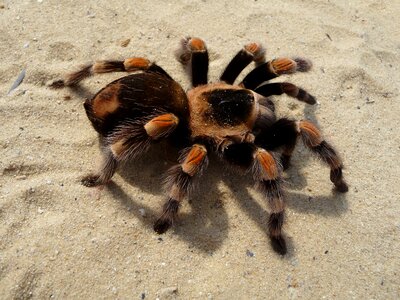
[
  {"x": 342, "y": 187},
  {"x": 167, "y": 218},
  {"x": 56, "y": 84},
  {"x": 338, "y": 180},
  {"x": 303, "y": 64},
  {"x": 162, "y": 225},
  {"x": 278, "y": 243},
  {"x": 91, "y": 180}
]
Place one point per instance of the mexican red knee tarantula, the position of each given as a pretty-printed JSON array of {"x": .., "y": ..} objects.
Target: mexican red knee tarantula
[{"x": 235, "y": 120}]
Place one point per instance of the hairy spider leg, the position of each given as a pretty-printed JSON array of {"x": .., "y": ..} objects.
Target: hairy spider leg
[
  {"x": 266, "y": 171},
  {"x": 267, "y": 174},
  {"x": 130, "y": 139},
  {"x": 249, "y": 53},
  {"x": 273, "y": 69},
  {"x": 279, "y": 88},
  {"x": 284, "y": 133},
  {"x": 313, "y": 139},
  {"x": 108, "y": 66},
  {"x": 194, "y": 55},
  {"x": 179, "y": 182}
]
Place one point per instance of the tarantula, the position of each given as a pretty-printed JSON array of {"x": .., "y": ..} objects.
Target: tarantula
[{"x": 237, "y": 121}]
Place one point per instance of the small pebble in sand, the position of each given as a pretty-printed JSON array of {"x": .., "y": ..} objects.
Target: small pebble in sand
[
  {"x": 142, "y": 212},
  {"x": 368, "y": 101},
  {"x": 294, "y": 261},
  {"x": 124, "y": 43},
  {"x": 168, "y": 291},
  {"x": 17, "y": 82},
  {"x": 249, "y": 253}
]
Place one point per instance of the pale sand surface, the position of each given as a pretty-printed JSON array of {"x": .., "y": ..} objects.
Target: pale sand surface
[{"x": 61, "y": 240}]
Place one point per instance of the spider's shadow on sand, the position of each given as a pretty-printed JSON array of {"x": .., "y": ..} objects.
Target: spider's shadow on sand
[{"x": 206, "y": 224}]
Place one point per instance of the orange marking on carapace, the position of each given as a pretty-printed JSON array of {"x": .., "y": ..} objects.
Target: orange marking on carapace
[
  {"x": 161, "y": 124},
  {"x": 197, "y": 44},
  {"x": 106, "y": 102},
  {"x": 252, "y": 48},
  {"x": 268, "y": 164},
  {"x": 194, "y": 159},
  {"x": 283, "y": 65},
  {"x": 135, "y": 63},
  {"x": 313, "y": 134}
]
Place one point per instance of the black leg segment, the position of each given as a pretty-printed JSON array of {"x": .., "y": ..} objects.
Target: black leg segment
[
  {"x": 250, "y": 52},
  {"x": 193, "y": 54},
  {"x": 287, "y": 88}
]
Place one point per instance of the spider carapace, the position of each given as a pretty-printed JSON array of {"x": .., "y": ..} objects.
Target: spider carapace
[{"x": 237, "y": 121}]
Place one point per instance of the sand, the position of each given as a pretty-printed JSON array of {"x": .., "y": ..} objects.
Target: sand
[{"x": 62, "y": 240}]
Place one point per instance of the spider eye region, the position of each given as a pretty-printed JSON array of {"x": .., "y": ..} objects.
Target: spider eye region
[{"x": 230, "y": 106}]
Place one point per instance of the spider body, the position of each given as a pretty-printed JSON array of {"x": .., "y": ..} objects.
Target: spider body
[{"x": 237, "y": 121}]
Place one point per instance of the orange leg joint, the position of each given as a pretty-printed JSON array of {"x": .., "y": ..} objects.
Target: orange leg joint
[
  {"x": 161, "y": 125},
  {"x": 283, "y": 66},
  {"x": 194, "y": 159},
  {"x": 136, "y": 63},
  {"x": 268, "y": 164}
]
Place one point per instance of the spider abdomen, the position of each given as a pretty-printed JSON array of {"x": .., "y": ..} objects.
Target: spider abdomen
[{"x": 134, "y": 97}]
